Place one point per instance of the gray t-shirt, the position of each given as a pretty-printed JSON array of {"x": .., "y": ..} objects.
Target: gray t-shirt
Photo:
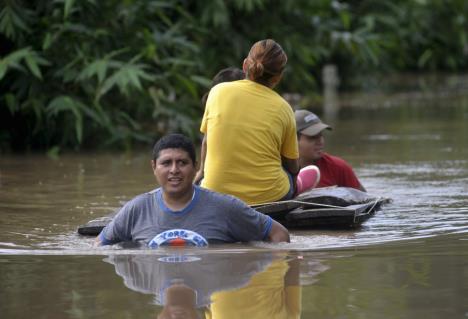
[{"x": 217, "y": 217}]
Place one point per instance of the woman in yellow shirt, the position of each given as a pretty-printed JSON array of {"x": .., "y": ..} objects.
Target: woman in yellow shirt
[{"x": 250, "y": 145}]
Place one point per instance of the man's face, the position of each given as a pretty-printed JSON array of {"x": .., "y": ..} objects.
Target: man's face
[
  {"x": 311, "y": 147},
  {"x": 180, "y": 302},
  {"x": 174, "y": 171}
]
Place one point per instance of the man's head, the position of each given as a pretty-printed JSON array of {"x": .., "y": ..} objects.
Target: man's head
[
  {"x": 225, "y": 75},
  {"x": 228, "y": 75},
  {"x": 180, "y": 302},
  {"x": 174, "y": 164},
  {"x": 174, "y": 141},
  {"x": 309, "y": 133}
]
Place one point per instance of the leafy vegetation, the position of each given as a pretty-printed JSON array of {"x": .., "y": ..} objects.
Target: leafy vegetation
[{"x": 87, "y": 74}]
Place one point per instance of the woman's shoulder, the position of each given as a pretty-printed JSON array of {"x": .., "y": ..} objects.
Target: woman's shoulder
[{"x": 229, "y": 85}]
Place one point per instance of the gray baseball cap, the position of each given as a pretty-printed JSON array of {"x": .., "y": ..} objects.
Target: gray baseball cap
[{"x": 308, "y": 123}]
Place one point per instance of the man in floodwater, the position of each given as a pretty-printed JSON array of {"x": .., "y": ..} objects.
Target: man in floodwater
[
  {"x": 311, "y": 142},
  {"x": 178, "y": 207}
]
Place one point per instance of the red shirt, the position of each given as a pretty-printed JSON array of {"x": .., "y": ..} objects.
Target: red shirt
[{"x": 335, "y": 171}]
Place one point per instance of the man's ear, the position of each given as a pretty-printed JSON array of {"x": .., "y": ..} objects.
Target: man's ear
[{"x": 153, "y": 164}]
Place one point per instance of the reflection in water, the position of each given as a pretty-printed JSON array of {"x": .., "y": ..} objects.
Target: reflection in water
[
  {"x": 425, "y": 278},
  {"x": 274, "y": 293},
  {"x": 183, "y": 283},
  {"x": 257, "y": 284}
]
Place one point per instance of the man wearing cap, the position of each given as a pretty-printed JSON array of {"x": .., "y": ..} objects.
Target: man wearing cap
[{"x": 311, "y": 142}]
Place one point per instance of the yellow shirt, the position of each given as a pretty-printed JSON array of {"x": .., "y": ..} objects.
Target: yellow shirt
[
  {"x": 248, "y": 127},
  {"x": 267, "y": 296}
]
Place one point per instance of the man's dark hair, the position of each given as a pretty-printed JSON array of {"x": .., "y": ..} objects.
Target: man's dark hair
[
  {"x": 228, "y": 75},
  {"x": 174, "y": 141},
  {"x": 225, "y": 75}
]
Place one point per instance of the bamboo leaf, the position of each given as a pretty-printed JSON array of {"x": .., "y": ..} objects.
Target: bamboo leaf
[
  {"x": 134, "y": 124},
  {"x": 68, "y": 6},
  {"x": 128, "y": 77},
  {"x": 97, "y": 68},
  {"x": 187, "y": 84},
  {"x": 68, "y": 104},
  {"x": 11, "y": 22},
  {"x": 424, "y": 58},
  {"x": 59, "y": 104},
  {"x": 13, "y": 60},
  {"x": 17, "y": 55},
  {"x": 32, "y": 65},
  {"x": 203, "y": 81},
  {"x": 11, "y": 103},
  {"x": 47, "y": 41},
  {"x": 6, "y": 23},
  {"x": 345, "y": 19},
  {"x": 3, "y": 68},
  {"x": 108, "y": 84},
  {"x": 177, "y": 62}
]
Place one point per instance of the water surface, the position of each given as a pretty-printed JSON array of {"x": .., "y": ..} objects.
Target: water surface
[{"x": 408, "y": 261}]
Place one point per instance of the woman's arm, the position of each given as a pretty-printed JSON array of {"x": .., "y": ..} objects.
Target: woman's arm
[
  {"x": 291, "y": 165},
  {"x": 200, "y": 174}
]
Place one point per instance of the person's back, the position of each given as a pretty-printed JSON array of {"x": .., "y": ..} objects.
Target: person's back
[
  {"x": 246, "y": 124},
  {"x": 250, "y": 132},
  {"x": 336, "y": 172}
]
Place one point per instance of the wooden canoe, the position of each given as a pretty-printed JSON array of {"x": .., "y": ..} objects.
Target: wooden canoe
[{"x": 328, "y": 207}]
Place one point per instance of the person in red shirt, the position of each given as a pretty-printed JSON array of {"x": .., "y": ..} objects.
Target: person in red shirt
[{"x": 311, "y": 142}]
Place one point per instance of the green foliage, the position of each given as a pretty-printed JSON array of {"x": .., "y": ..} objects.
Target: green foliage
[
  {"x": 26, "y": 56},
  {"x": 14, "y": 20},
  {"x": 118, "y": 72},
  {"x": 83, "y": 76}
]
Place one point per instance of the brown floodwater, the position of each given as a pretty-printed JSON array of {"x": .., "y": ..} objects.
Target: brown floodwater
[{"x": 410, "y": 260}]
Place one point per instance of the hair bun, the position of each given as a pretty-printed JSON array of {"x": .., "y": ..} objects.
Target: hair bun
[
  {"x": 265, "y": 61},
  {"x": 256, "y": 69}
]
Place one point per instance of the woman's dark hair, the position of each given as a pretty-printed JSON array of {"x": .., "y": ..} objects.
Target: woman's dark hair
[
  {"x": 174, "y": 141},
  {"x": 265, "y": 61},
  {"x": 225, "y": 75}
]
